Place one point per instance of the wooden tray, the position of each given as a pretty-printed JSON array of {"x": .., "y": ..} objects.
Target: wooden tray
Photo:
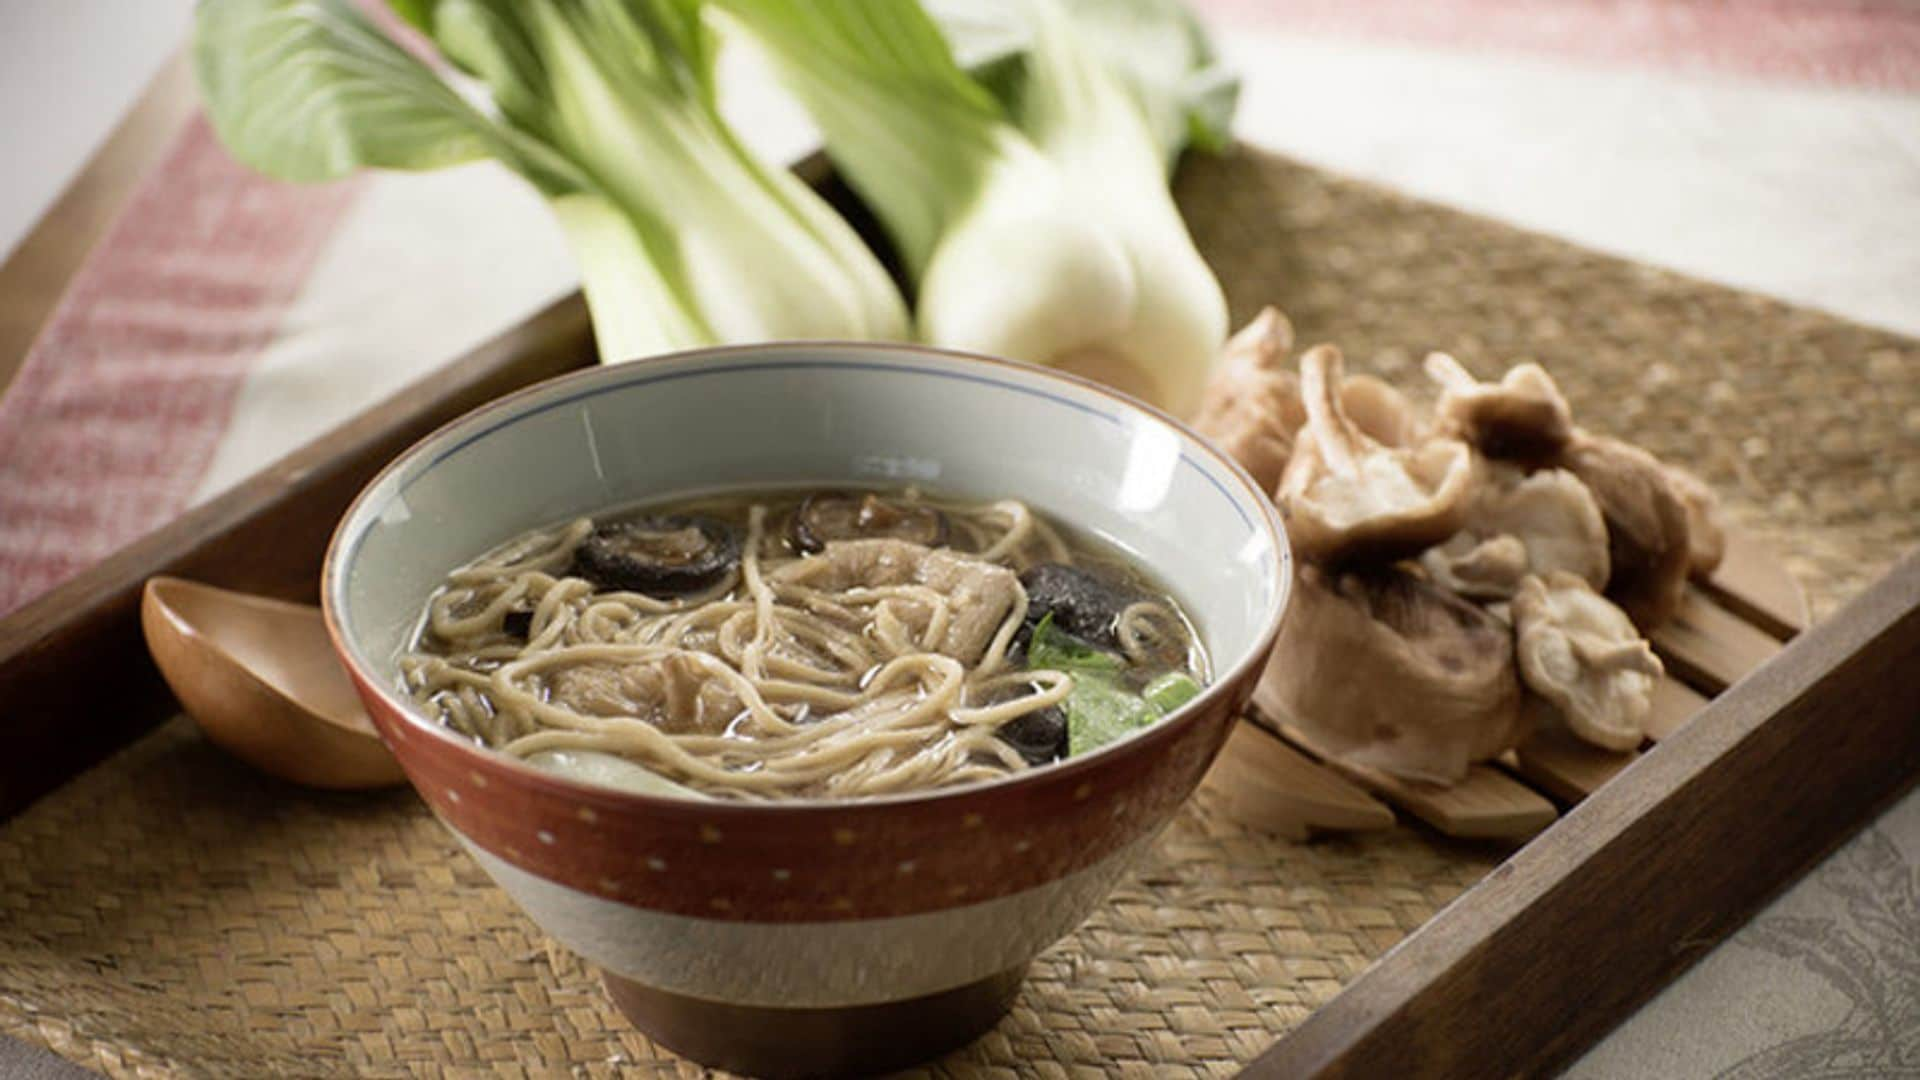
[{"x": 1647, "y": 872}]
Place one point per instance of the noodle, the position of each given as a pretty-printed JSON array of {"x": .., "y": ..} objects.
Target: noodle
[{"x": 797, "y": 684}]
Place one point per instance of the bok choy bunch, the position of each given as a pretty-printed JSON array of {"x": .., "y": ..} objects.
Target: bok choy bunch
[
  {"x": 1030, "y": 208},
  {"x": 607, "y": 107}
]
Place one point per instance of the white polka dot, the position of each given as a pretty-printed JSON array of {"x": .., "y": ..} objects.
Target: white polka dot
[
  {"x": 782, "y": 875},
  {"x": 453, "y": 796},
  {"x": 478, "y": 780},
  {"x": 906, "y": 866},
  {"x": 656, "y": 863},
  {"x": 545, "y": 837},
  {"x": 607, "y": 884},
  {"x": 1023, "y": 845},
  {"x": 587, "y": 815}
]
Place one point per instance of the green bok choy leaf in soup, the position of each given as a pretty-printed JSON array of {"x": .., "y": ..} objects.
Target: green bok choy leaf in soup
[
  {"x": 1100, "y": 708},
  {"x": 607, "y": 107},
  {"x": 1039, "y": 227}
]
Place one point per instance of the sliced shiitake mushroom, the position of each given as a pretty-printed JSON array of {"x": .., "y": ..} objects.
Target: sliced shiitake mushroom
[
  {"x": 659, "y": 555},
  {"x": 1084, "y": 604},
  {"x": 1489, "y": 569},
  {"x": 1522, "y": 417},
  {"x": 1706, "y": 532},
  {"x": 1583, "y": 654},
  {"x": 1551, "y": 517},
  {"x": 1649, "y": 546},
  {"x": 1351, "y": 499},
  {"x": 1387, "y": 670},
  {"x": 843, "y": 515},
  {"x": 1252, "y": 407},
  {"x": 1380, "y": 411},
  {"x": 1039, "y": 737}
]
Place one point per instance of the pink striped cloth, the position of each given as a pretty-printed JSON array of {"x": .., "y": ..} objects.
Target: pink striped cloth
[
  {"x": 110, "y": 426},
  {"x": 1864, "y": 44},
  {"x": 105, "y": 432}
]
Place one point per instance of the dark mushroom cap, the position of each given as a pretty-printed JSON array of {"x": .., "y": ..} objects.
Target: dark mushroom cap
[
  {"x": 843, "y": 515},
  {"x": 1086, "y": 605},
  {"x": 1040, "y": 736},
  {"x": 659, "y": 555}
]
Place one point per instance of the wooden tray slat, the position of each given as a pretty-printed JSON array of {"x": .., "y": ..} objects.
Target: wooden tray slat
[
  {"x": 1563, "y": 766},
  {"x": 1753, "y": 584},
  {"x": 1269, "y": 785},
  {"x": 1674, "y": 703},
  {"x": 1710, "y": 647},
  {"x": 1488, "y": 804}
]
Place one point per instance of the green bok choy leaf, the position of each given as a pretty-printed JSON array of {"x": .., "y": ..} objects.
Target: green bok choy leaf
[
  {"x": 606, "y": 106},
  {"x": 1099, "y": 709}
]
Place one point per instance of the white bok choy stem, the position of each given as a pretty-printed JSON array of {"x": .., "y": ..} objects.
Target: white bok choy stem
[
  {"x": 682, "y": 236},
  {"x": 1042, "y": 232}
]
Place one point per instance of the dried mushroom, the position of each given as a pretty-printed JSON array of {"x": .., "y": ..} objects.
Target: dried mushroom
[
  {"x": 1706, "y": 533},
  {"x": 1549, "y": 515},
  {"x": 1387, "y": 670},
  {"x": 1648, "y": 543},
  {"x": 659, "y": 555},
  {"x": 1349, "y": 497},
  {"x": 1084, "y": 604},
  {"x": 1489, "y": 569},
  {"x": 1252, "y": 405},
  {"x": 1583, "y": 655},
  {"x": 1382, "y": 412},
  {"x": 1523, "y": 417},
  {"x": 842, "y": 515}
]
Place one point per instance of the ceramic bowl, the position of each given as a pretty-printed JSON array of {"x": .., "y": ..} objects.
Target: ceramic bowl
[{"x": 823, "y": 935}]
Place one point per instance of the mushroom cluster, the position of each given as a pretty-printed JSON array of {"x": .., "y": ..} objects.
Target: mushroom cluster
[{"x": 1463, "y": 573}]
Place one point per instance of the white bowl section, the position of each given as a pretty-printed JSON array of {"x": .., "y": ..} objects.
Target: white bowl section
[{"x": 825, "y": 414}]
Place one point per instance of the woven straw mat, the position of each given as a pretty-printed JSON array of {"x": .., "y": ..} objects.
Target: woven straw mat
[{"x": 171, "y": 912}]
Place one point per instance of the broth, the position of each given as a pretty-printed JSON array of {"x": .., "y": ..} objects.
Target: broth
[{"x": 801, "y": 644}]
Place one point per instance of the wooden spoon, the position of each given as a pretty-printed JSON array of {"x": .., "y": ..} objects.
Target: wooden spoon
[{"x": 261, "y": 679}]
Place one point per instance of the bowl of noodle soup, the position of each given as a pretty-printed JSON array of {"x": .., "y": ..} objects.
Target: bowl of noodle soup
[{"x": 764, "y": 679}]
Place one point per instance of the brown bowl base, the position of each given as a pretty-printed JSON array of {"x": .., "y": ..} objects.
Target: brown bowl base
[{"x": 850, "y": 1040}]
